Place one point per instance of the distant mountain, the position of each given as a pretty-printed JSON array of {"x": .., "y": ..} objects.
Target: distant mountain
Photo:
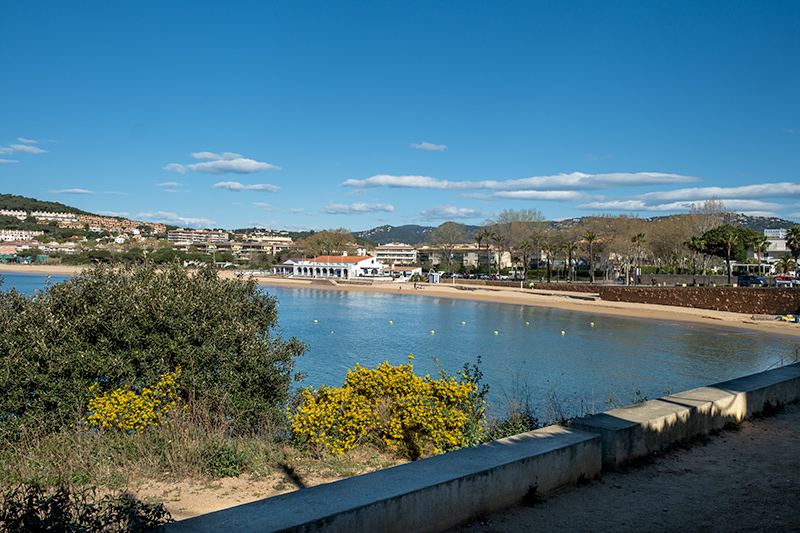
[
  {"x": 759, "y": 224},
  {"x": 14, "y": 202},
  {"x": 408, "y": 234}
]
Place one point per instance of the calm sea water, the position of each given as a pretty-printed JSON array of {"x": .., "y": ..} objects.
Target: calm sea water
[{"x": 596, "y": 358}]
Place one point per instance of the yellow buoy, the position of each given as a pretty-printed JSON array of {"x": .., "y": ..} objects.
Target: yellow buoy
[
  {"x": 527, "y": 323},
  {"x": 390, "y": 322},
  {"x": 432, "y": 332},
  {"x": 563, "y": 333},
  {"x": 315, "y": 322},
  {"x": 592, "y": 324},
  {"x": 495, "y": 333},
  {"x": 462, "y": 323}
]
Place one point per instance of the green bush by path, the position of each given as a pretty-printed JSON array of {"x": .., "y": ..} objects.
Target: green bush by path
[{"x": 125, "y": 328}]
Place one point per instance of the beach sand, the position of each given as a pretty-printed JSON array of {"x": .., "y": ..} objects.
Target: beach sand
[{"x": 573, "y": 301}]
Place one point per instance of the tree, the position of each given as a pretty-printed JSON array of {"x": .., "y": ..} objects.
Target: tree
[
  {"x": 638, "y": 240},
  {"x": 730, "y": 243},
  {"x": 784, "y": 264},
  {"x": 487, "y": 235},
  {"x": 695, "y": 244},
  {"x": 793, "y": 241},
  {"x": 126, "y": 327},
  {"x": 526, "y": 249},
  {"x": 589, "y": 236},
  {"x": 500, "y": 240},
  {"x": 446, "y": 237},
  {"x": 328, "y": 242},
  {"x": 569, "y": 247},
  {"x": 760, "y": 246}
]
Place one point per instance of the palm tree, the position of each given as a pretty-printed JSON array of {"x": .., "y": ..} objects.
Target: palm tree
[
  {"x": 695, "y": 244},
  {"x": 793, "y": 241},
  {"x": 486, "y": 234},
  {"x": 730, "y": 239},
  {"x": 500, "y": 239},
  {"x": 590, "y": 236},
  {"x": 760, "y": 246},
  {"x": 638, "y": 239},
  {"x": 478, "y": 239},
  {"x": 569, "y": 248},
  {"x": 527, "y": 249},
  {"x": 785, "y": 264}
]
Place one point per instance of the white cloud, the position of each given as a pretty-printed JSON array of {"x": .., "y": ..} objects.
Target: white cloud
[
  {"x": 71, "y": 191},
  {"x": 296, "y": 210},
  {"x": 27, "y": 149},
  {"x": 450, "y": 212},
  {"x": 429, "y": 147},
  {"x": 6, "y": 150},
  {"x": 8, "y": 161},
  {"x": 761, "y": 190},
  {"x": 632, "y": 204},
  {"x": 262, "y": 205},
  {"x": 26, "y": 141},
  {"x": 573, "y": 181},
  {"x": 112, "y": 214},
  {"x": 236, "y": 166},
  {"x": 356, "y": 209},
  {"x": 211, "y": 156},
  {"x": 550, "y": 196},
  {"x": 169, "y": 184},
  {"x": 176, "y": 167},
  {"x": 224, "y": 163},
  {"x": 176, "y": 220},
  {"x": 236, "y": 186}
]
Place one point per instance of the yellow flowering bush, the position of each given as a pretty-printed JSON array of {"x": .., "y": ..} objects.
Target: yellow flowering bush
[
  {"x": 390, "y": 405},
  {"x": 135, "y": 412}
]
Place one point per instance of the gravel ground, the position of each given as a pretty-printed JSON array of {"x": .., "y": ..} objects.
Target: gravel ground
[{"x": 744, "y": 479}]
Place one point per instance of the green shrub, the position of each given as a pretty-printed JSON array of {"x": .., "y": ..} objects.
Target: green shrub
[
  {"x": 126, "y": 327},
  {"x": 31, "y": 508}
]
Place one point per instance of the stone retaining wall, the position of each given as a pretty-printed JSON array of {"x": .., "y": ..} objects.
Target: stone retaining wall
[{"x": 758, "y": 301}]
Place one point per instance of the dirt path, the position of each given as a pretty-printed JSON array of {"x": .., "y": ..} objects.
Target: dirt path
[{"x": 741, "y": 480}]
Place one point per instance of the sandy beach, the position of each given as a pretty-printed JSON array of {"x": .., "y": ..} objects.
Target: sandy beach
[{"x": 573, "y": 301}]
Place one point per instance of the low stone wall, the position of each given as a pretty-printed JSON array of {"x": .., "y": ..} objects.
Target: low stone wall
[{"x": 749, "y": 300}]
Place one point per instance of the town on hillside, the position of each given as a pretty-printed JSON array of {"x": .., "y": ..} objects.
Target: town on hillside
[{"x": 708, "y": 245}]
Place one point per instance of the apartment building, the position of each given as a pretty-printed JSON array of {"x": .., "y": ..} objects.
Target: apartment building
[{"x": 396, "y": 253}]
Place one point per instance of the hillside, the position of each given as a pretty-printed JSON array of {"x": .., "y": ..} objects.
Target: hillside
[{"x": 14, "y": 202}]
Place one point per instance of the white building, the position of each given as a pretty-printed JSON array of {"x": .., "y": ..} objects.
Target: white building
[
  {"x": 17, "y": 213},
  {"x": 777, "y": 247},
  {"x": 338, "y": 266},
  {"x": 396, "y": 253},
  {"x": 18, "y": 235}
]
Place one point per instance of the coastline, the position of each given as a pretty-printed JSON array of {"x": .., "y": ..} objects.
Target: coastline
[{"x": 582, "y": 302}]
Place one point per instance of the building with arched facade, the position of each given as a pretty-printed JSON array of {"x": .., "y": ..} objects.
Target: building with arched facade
[{"x": 338, "y": 266}]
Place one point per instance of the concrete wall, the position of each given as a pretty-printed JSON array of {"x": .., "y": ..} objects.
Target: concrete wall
[
  {"x": 447, "y": 490},
  {"x": 640, "y": 429},
  {"x": 428, "y": 495}
]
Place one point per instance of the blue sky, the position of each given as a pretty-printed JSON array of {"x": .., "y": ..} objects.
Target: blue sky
[{"x": 312, "y": 115}]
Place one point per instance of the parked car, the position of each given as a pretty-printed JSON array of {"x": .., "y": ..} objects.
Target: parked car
[
  {"x": 785, "y": 281},
  {"x": 749, "y": 280}
]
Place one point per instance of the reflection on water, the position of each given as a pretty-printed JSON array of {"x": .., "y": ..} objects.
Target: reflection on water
[{"x": 584, "y": 367}]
